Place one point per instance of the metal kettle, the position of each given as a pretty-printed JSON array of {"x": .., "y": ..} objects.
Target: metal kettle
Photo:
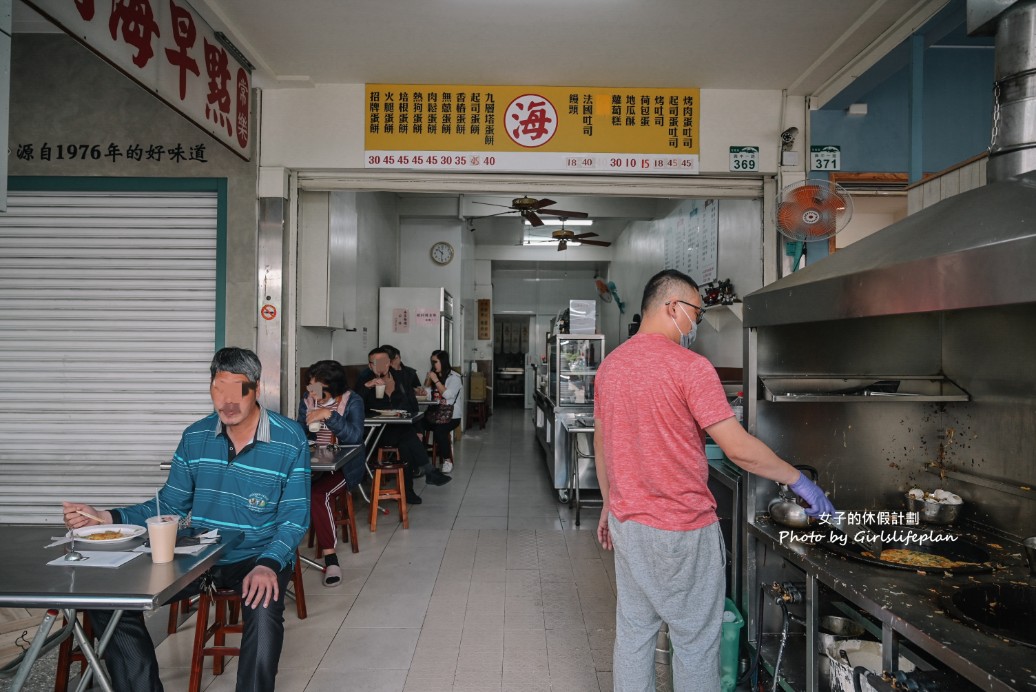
[{"x": 785, "y": 508}]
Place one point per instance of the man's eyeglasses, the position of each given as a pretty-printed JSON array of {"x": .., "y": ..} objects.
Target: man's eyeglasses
[{"x": 701, "y": 311}]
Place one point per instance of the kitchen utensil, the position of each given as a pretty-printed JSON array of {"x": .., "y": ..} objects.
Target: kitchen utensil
[
  {"x": 833, "y": 628},
  {"x": 74, "y": 555},
  {"x": 1029, "y": 544},
  {"x": 90, "y": 516},
  {"x": 933, "y": 512},
  {"x": 785, "y": 509}
]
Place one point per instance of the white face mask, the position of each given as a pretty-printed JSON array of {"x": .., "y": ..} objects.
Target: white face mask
[{"x": 686, "y": 340}]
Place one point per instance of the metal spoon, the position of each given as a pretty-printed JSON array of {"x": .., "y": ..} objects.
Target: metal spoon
[{"x": 74, "y": 555}]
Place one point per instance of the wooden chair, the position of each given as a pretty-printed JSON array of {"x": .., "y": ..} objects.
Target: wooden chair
[
  {"x": 344, "y": 518},
  {"x": 431, "y": 447},
  {"x": 183, "y": 607},
  {"x": 225, "y": 605},
  {"x": 479, "y": 412},
  {"x": 387, "y": 467},
  {"x": 68, "y": 657}
]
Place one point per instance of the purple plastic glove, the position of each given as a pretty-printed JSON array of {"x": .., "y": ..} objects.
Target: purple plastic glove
[{"x": 813, "y": 495}]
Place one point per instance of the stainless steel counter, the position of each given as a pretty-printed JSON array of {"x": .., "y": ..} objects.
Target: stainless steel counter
[
  {"x": 908, "y": 606},
  {"x": 550, "y": 422}
]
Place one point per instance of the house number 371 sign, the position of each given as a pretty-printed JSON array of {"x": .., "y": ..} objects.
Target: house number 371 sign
[{"x": 825, "y": 157}]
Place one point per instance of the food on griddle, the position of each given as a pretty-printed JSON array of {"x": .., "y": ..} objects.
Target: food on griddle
[
  {"x": 104, "y": 536},
  {"x": 916, "y": 558},
  {"x": 943, "y": 497}
]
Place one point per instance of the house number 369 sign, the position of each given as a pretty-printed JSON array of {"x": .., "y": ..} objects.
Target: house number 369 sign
[{"x": 744, "y": 159}]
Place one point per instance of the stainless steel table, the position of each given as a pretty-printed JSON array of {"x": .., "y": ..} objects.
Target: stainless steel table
[
  {"x": 27, "y": 581},
  {"x": 330, "y": 458},
  {"x": 576, "y": 429},
  {"x": 375, "y": 426}
]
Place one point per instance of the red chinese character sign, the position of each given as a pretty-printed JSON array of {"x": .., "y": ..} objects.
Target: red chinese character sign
[
  {"x": 167, "y": 48},
  {"x": 531, "y": 120},
  {"x": 625, "y": 130}
]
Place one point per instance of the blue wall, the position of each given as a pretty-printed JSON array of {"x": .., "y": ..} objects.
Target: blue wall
[{"x": 958, "y": 107}]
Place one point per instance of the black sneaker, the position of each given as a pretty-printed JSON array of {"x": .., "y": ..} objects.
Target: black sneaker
[
  {"x": 413, "y": 499},
  {"x": 436, "y": 477},
  {"x": 419, "y": 473}
]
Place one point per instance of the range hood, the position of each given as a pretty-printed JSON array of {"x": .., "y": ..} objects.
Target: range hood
[{"x": 976, "y": 249}]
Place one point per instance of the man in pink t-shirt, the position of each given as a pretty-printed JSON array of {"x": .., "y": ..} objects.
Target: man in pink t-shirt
[{"x": 654, "y": 402}]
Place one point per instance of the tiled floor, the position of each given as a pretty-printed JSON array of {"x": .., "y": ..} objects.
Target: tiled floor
[{"x": 492, "y": 587}]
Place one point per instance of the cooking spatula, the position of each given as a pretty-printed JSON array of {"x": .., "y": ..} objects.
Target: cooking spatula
[{"x": 873, "y": 547}]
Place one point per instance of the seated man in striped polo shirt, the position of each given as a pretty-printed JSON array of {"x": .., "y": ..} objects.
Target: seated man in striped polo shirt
[{"x": 244, "y": 468}]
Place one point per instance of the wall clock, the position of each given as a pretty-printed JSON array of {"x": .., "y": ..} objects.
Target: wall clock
[{"x": 442, "y": 253}]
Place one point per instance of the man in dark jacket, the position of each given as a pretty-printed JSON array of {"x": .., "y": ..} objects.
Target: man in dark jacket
[{"x": 395, "y": 394}]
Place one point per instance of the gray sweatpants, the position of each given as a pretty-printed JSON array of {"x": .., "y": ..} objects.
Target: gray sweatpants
[{"x": 674, "y": 577}]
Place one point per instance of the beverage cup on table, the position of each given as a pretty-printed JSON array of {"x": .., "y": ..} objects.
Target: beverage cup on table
[
  {"x": 161, "y": 531},
  {"x": 379, "y": 391}
]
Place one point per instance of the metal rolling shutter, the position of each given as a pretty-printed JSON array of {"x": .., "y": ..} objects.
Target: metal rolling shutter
[{"x": 107, "y": 326}]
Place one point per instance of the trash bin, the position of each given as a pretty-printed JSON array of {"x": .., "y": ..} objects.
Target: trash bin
[
  {"x": 730, "y": 646},
  {"x": 729, "y": 652}
]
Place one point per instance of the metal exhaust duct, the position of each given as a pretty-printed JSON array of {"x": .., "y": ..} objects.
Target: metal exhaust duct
[{"x": 1012, "y": 149}]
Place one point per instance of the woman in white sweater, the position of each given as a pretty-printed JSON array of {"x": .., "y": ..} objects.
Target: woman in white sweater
[{"x": 446, "y": 387}]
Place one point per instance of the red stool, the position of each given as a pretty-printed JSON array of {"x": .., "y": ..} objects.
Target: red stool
[
  {"x": 479, "y": 412},
  {"x": 176, "y": 608},
  {"x": 344, "y": 518},
  {"x": 67, "y": 657},
  {"x": 226, "y": 611}
]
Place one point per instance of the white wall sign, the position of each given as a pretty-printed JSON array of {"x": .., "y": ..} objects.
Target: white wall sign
[
  {"x": 825, "y": 157},
  {"x": 744, "y": 159},
  {"x": 166, "y": 47},
  {"x": 692, "y": 239}
]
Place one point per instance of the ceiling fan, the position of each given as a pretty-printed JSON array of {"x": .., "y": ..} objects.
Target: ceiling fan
[
  {"x": 531, "y": 209},
  {"x": 563, "y": 236}
]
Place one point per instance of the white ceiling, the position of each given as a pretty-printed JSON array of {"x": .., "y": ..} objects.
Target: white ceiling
[
  {"x": 711, "y": 44},
  {"x": 796, "y": 45},
  {"x": 803, "y": 46}
]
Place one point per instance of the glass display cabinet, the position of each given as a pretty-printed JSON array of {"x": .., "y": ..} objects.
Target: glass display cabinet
[{"x": 573, "y": 360}]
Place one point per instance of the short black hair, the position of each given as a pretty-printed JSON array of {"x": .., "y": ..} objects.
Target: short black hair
[
  {"x": 237, "y": 361},
  {"x": 661, "y": 283},
  {"x": 376, "y": 350},
  {"x": 331, "y": 374},
  {"x": 392, "y": 351}
]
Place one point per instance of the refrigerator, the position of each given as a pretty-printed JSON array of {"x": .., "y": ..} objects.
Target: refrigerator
[{"x": 417, "y": 321}]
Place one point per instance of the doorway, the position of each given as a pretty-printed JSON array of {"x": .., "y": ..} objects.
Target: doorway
[{"x": 510, "y": 359}]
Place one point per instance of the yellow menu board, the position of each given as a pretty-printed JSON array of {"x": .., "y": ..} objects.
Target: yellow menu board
[{"x": 532, "y": 129}]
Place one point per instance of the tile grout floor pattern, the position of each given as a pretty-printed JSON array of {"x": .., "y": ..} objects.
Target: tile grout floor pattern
[{"x": 492, "y": 587}]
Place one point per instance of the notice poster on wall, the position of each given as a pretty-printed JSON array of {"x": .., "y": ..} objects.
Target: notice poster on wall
[
  {"x": 425, "y": 317},
  {"x": 484, "y": 317},
  {"x": 691, "y": 237},
  {"x": 400, "y": 321}
]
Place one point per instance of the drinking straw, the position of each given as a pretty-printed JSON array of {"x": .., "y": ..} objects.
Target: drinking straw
[{"x": 158, "y": 508}]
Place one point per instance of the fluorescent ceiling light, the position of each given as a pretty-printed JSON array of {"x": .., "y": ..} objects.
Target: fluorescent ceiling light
[{"x": 568, "y": 222}]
